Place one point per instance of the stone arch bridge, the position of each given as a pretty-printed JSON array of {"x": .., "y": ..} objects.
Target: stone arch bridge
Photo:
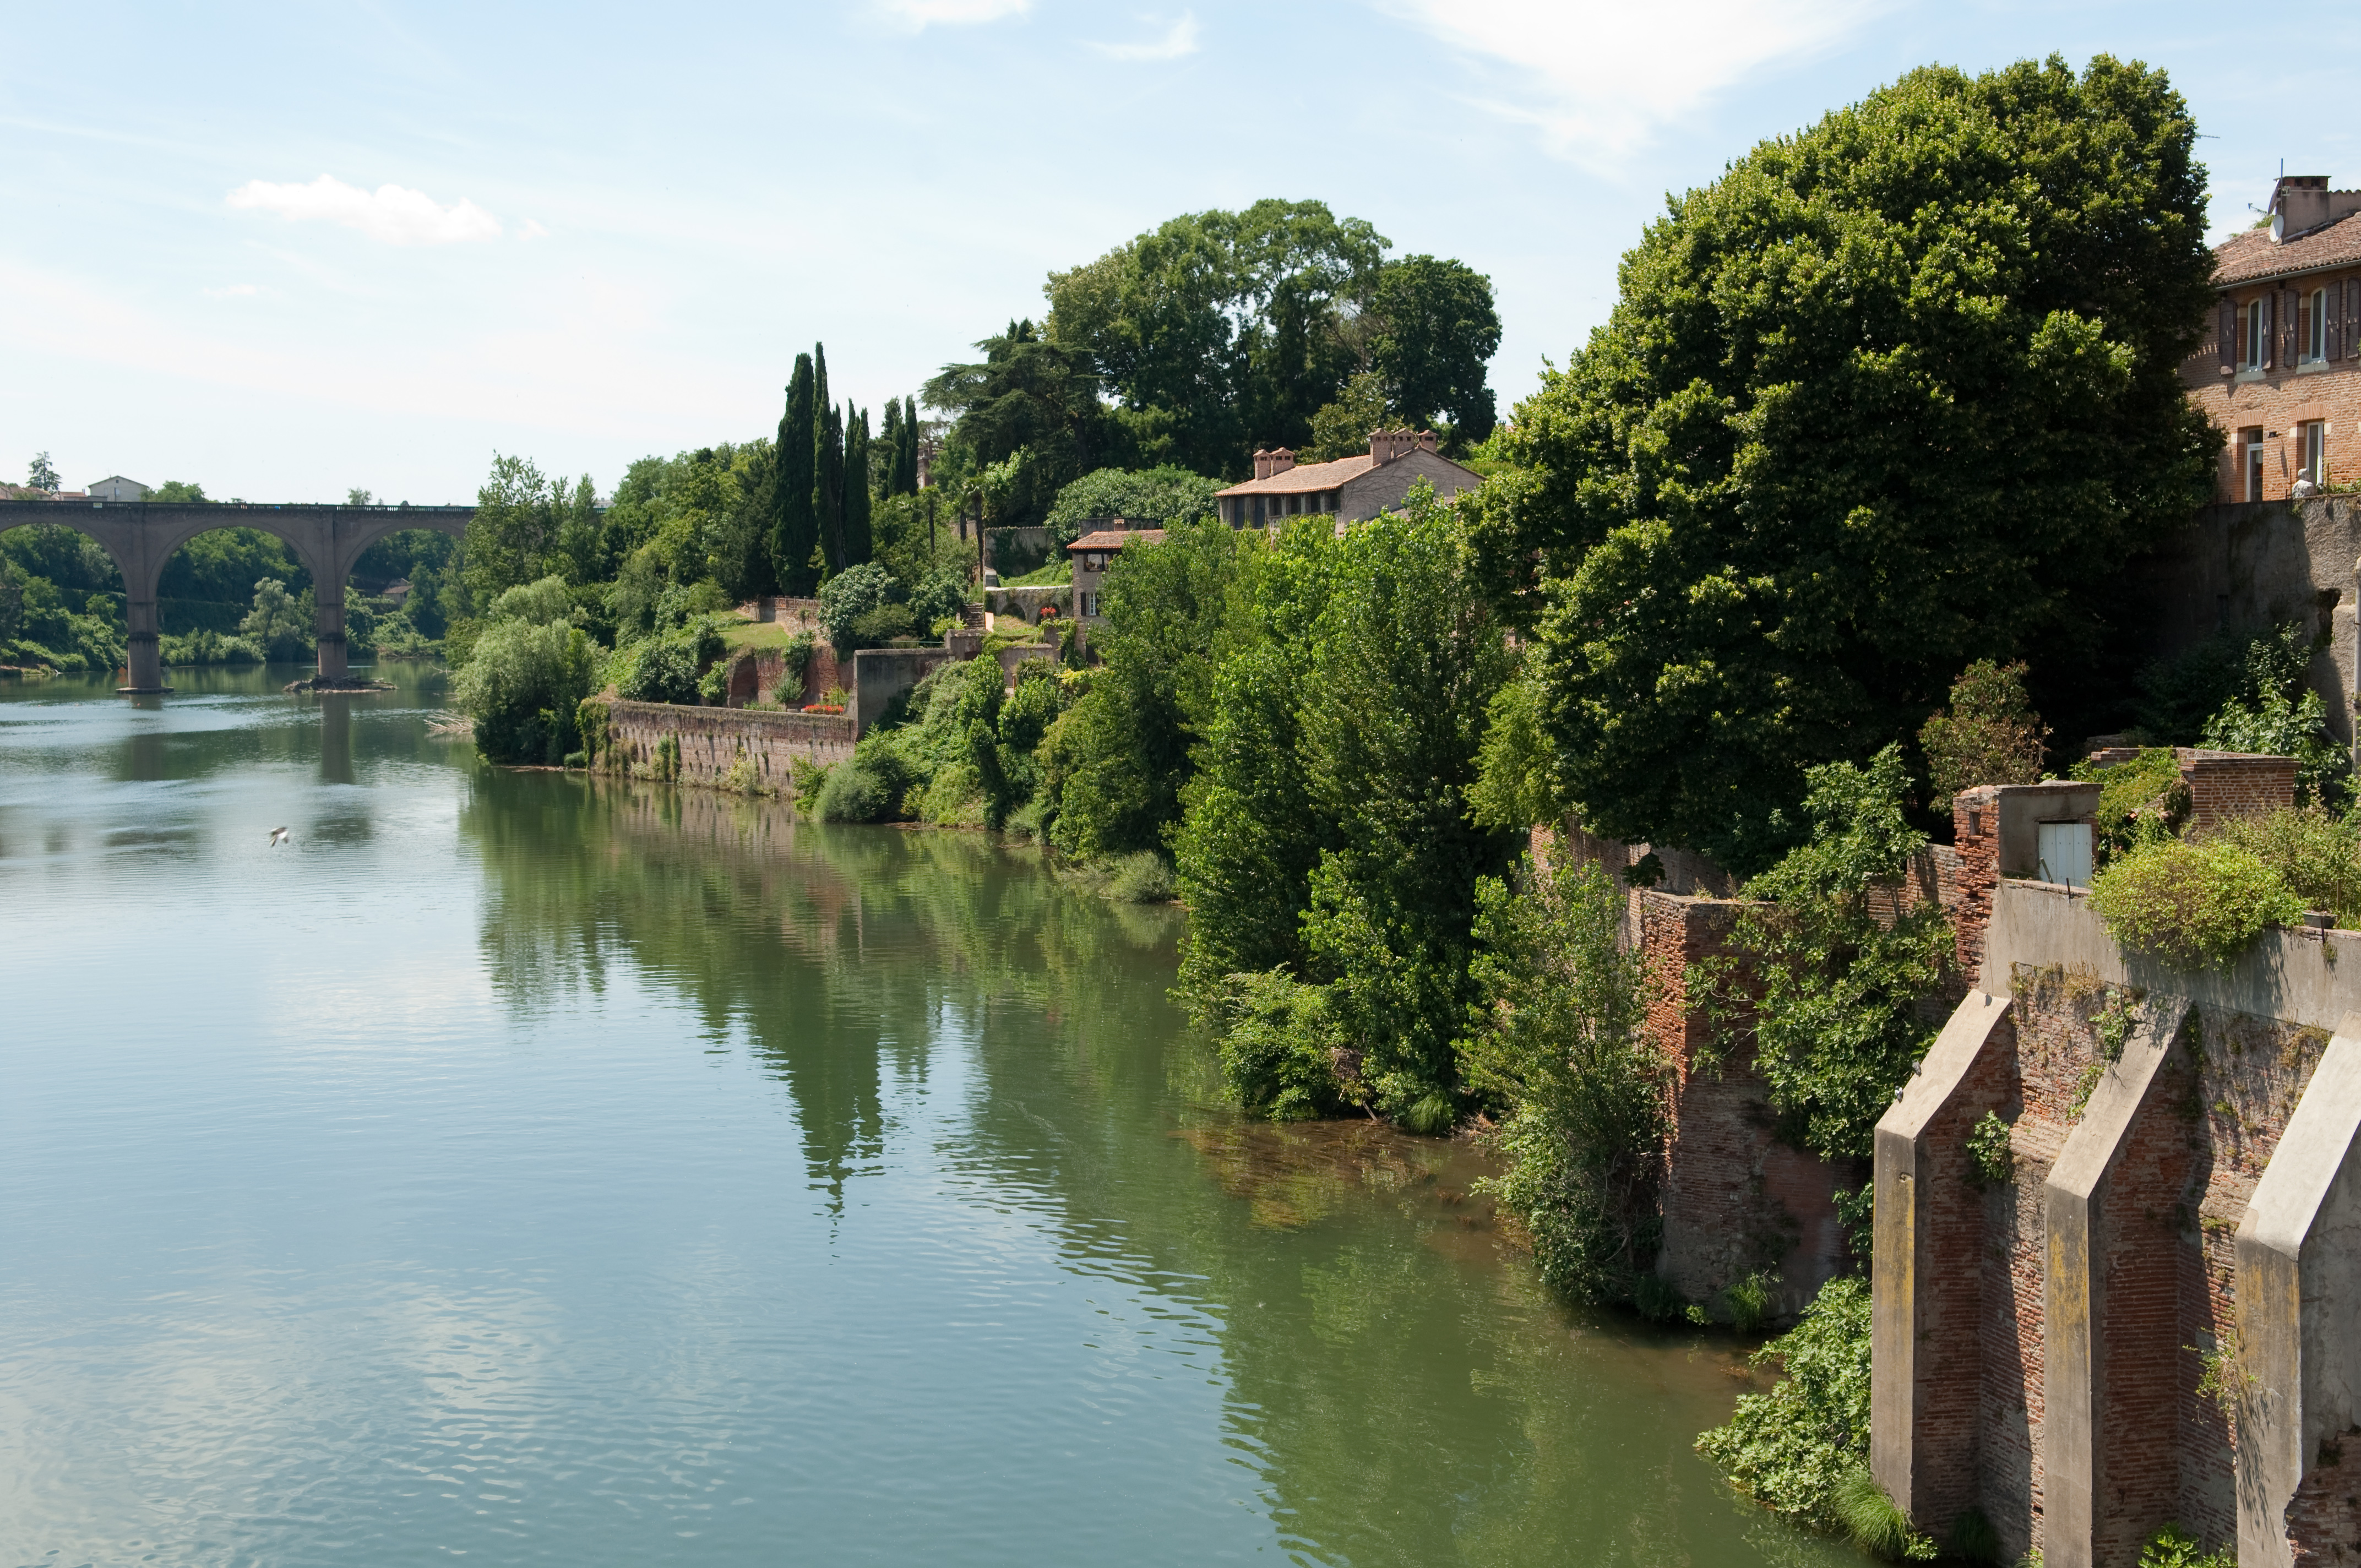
[{"x": 142, "y": 536}]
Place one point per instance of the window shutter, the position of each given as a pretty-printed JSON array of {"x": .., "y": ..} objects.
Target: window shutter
[
  {"x": 2332, "y": 300},
  {"x": 2269, "y": 335},
  {"x": 2229, "y": 335},
  {"x": 2353, "y": 318},
  {"x": 2290, "y": 324}
]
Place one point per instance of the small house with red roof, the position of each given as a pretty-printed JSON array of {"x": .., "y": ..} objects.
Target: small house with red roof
[
  {"x": 2280, "y": 371},
  {"x": 1350, "y": 490},
  {"x": 1092, "y": 554}
]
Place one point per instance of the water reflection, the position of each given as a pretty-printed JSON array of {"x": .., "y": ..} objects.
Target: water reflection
[{"x": 1396, "y": 1383}]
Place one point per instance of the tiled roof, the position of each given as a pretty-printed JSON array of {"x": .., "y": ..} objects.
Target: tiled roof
[
  {"x": 1305, "y": 478},
  {"x": 2249, "y": 257},
  {"x": 1116, "y": 538}
]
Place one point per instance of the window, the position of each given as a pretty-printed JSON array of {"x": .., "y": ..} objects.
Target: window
[
  {"x": 2250, "y": 441},
  {"x": 2315, "y": 326},
  {"x": 2258, "y": 333},
  {"x": 2312, "y": 444}
]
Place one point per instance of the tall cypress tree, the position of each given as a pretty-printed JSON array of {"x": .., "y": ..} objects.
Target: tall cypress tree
[
  {"x": 905, "y": 451},
  {"x": 890, "y": 437},
  {"x": 794, "y": 527},
  {"x": 828, "y": 465},
  {"x": 858, "y": 545}
]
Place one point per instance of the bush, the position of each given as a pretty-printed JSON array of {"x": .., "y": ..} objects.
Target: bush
[
  {"x": 1282, "y": 1049},
  {"x": 669, "y": 668},
  {"x": 1870, "y": 1516},
  {"x": 1558, "y": 1034},
  {"x": 1793, "y": 1448},
  {"x": 2173, "y": 1547},
  {"x": 523, "y": 688},
  {"x": 1142, "y": 878},
  {"x": 2281, "y": 715},
  {"x": 1151, "y": 498},
  {"x": 2191, "y": 905},
  {"x": 853, "y": 794},
  {"x": 2142, "y": 798},
  {"x": 2317, "y": 856},
  {"x": 1990, "y": 735},
  {"x": 852, "y": 593}
]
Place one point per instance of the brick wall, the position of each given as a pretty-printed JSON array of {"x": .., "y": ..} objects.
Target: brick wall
[
  {"x": 2277, "y": 402},
  {"x": 711, "y": 739},
  {"x": 2222, "y": 784},
  {"x": 2165, "y": 1271}
]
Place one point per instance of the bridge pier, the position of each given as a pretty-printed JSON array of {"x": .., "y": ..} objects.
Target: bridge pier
[
  {"x": 146, "y": 658},
  {"x": 328, "y": 622}
]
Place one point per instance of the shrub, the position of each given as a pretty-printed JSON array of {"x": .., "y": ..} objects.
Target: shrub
[
  {"x": 1282, "y": 1051},
  {"x": 1558, "y": 1034},
  {"x": 1791, "y": 1448},
  {"x": 1990, "y": 735},
  {"x": 1142, "y": 878},
  {"x": 1870, "y": 1516},
  {"x": 2191, "y": 904},
  {"x": 2173, "y": 1547},
  {"x": 2142, "y": 798},
  {"x": 852, "y": 593},
  {"x": 1990, "y": 1155},
  {"x": 1837, "y": 1026},
  {"x": 852, "y": 793},
  {"x": 2317, "y": 856},
  {"x": 277, "y": 623},
  {"x": 2280, "y": 714},
  {"x": 669, "y": 668},
  {"x": 524, "y": 686}
]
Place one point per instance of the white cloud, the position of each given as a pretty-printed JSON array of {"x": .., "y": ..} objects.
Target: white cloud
[
  {"x": 913, "y": 15},
  {"x": 1182, "y": 39},
  {"x": 1598, "y": 80},
  {"x": 392, "y": 213}
]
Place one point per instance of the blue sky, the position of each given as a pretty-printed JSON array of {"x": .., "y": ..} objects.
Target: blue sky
[{"x": 285, "y": 250}]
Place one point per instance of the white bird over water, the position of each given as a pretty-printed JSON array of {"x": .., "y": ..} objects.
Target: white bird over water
[{"x": 280, "y": 836}]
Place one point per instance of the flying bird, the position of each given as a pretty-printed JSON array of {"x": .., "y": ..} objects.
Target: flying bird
[{"x": 280, "y": 836}]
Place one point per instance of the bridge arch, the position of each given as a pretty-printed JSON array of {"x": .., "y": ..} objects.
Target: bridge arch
[{"x": 142, "y": 536}]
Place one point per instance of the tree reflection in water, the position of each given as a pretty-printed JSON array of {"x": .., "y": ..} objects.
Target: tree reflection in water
[{"x": 1398, "y": 1387}]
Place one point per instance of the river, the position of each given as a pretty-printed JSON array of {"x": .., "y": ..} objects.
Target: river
[{"x": 523, "y": 1169}]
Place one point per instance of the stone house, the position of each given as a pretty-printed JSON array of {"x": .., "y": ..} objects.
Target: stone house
[
  {"x": 2279, "y": 373},
  {"x": 1351, "y": 489},
  {"x": 115, "y": 487},
  {"x": 1092, "y": 554}
]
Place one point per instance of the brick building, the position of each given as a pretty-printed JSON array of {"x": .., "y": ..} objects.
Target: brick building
[
  {"x": 1092, "y": 554},
  {"x": 1351, "y": 489},
  {"x": 2280, "y": 372}
]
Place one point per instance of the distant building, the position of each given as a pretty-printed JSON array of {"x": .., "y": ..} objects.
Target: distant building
[
  {"x": 1351, "y": 489},
  {"x": 115, "y": 487},
  {"x": 2280, "y": 372},
  {"x": 1092, "y": 554}
]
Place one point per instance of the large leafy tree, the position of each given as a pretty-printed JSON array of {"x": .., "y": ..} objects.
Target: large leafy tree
[
  {"x": 1895, "y": 393},
  {"x": 1030, "y": 406},
  {"x": 523, "y": 520},
  {"x": 1223, "y": 331},
  {"x": 1435, "y": 331}
]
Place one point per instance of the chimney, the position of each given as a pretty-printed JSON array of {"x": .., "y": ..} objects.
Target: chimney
[
  {"x": 1281, "y": 459},
  {"x": 1426, "y": 441},
  {"x": 1262, "y": 463},
  {"x": 2301, "y": 202},
  {"x": 1385, "y": 445}
]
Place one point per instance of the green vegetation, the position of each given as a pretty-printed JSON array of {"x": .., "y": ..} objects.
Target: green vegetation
[
  {"x": 1988, "y": 1154},
  {"x": 1557, "y": 1036},
  {"x": 1161, "y": 497},
  {"x": 1831, "y": 988},
  {"x": 1795, "y": 1448},
  {"x": 2277, "y": 712},
  {"x": 2142, "y": 798},
  {"x": 2173, "y": 1547},
  {"x": 2192, "y": 905},
  {"x": 2315, "y": 855},
  {"x": 527, "y": 675},
  {"x": 1732, "y": 569},
  {"x": 1990, "y": 734}
]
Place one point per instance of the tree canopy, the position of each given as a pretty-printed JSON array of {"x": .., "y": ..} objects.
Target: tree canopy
[{"x": 1897, "y": 393}]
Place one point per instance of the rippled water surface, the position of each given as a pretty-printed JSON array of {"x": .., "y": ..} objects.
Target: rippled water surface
[{"x": 524, "y": 1170}]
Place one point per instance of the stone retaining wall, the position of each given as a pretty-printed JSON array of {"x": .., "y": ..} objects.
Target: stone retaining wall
[{"x": 702, "y": 745}]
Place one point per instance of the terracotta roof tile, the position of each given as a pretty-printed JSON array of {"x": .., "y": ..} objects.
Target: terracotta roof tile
[
  {"x": 1116, "y": 538},
  {"x": 2250, "y": 257},
  {"x": 1305, "y": 478}
]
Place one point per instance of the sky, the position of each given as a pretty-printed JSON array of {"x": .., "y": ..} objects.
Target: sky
[{"x": 285, "y": 251}]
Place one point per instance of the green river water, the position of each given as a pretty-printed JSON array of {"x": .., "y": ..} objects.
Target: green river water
[{"x": 521, "y": 1168}]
